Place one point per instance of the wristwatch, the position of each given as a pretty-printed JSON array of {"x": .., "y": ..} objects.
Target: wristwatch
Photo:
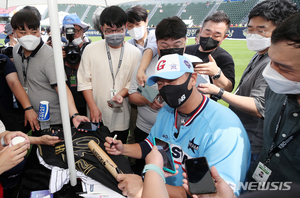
[
  {"x": 220, "y": 94},
  {"x": 217, "y": 76}
]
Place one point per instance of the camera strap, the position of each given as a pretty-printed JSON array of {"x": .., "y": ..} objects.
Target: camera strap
[
  {"x": 2, "y": 65},
  {"x": 283, "y": 143},
  {"x": 110, "y": 63}
]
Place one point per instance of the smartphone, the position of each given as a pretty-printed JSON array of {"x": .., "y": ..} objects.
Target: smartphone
[
  {"x": 201, "y": 80},
  {"x": 148, "y": 92},
  {"x": 159, "y": 98},
  {"x": 58, "y": 132},
  {"x": 165, "y": 150},
  {"x": 114, "y": 104},
  {"x": 88, "y": 126},
  {"x": 197, "y": 63},
  {"x": 49, "y": 39},
  {"x": 199, "y": 176}
]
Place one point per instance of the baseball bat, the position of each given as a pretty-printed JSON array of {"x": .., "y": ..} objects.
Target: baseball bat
[{"x": 107, "y": 162}]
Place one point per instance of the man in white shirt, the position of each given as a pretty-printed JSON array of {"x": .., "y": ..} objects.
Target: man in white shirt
[{"x": 105, "y": 71}]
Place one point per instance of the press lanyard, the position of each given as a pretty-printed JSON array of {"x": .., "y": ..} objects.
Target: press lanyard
[
  {"x": 246, "y": 73},
  {"x": 285, "y": 142},
  {"x": 25, "y": 69},
  {"x": 110, "y": 63}
]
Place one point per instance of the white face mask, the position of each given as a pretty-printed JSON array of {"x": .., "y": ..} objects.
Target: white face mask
[
  {"x": 280, "y": 84},
  {"x": 77, "y": 41},
  {"x": 257, "y": 43},
  {"x": 15, "y": 39},
  {"x": 137, "y": 33},
  {"x": 29, "y": 42}
]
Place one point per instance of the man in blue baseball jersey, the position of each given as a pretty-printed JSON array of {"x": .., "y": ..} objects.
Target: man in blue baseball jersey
[{"x": 194, "y": 125}]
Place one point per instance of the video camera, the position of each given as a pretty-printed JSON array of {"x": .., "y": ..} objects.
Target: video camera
[
  {"x": 8, "y": 51},
  {"x": 72, "y": 51},
  {"x": 2, "y": 64}
]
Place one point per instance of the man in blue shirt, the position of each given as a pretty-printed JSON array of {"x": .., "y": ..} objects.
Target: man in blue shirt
[{"x": 194, "y": 125}]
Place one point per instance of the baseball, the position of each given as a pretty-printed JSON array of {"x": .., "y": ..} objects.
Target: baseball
[{"x": 16, "y": 140}]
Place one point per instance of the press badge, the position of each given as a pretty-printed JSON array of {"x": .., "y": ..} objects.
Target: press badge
[
  {"x": 26, "y": 90},
  {"x": 261, "y": 173},
  {"x": 73, "y": 81},
  {"x": 112, "y": 93}
]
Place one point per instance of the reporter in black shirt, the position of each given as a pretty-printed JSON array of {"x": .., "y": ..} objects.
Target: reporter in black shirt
[{"x": 220, "y": 65}]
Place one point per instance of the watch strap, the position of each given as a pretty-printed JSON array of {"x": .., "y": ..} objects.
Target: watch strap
[
  {"x": 155, "y": 168},
  {"x": 3, "y": 142},
  {"x": 28, "y": 108},
  {"x": 74, "y": 115}
]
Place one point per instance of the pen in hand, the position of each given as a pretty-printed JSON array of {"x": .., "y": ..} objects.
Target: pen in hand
[{"x": 113, "y": 140}]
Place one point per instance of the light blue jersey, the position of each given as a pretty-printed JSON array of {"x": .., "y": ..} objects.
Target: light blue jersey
[{"x": 214, "y": 132}]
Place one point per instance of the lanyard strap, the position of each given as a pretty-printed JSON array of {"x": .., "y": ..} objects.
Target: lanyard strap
[
  {"x": 110, "y": 63},
  {"x": 285, "y": 142},
  {"x": 249, "y": 69},
  {"x": 25, "y": 69}
]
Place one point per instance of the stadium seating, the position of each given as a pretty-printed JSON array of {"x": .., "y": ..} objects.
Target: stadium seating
[
  {"x": 197, "y": 11},
  {"x": 163, "y": 11},
  {"x": 89, "y": 16},
  {"x": 125, "y": 7},
  {"x": 60, "y": 8},
  {"x": 237, "y": 10},
  {"x": 148, "y": 7},
  {"x": 78, "y": 9}
]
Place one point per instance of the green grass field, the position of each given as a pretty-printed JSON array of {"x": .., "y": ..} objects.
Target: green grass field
[{"x": 237, "y": 48}]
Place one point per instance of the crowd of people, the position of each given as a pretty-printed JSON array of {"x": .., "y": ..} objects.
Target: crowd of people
[{"x": 255, "y": 140}]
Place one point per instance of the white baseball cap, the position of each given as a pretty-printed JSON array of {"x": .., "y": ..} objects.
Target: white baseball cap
[{"x": 170, "y": 67}]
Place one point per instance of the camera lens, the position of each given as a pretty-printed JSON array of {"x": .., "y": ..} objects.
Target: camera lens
[{"x": 195, "y": 162}]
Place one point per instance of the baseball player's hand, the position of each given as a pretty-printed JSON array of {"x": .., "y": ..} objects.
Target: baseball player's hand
[{"x": 113, "y": 147}]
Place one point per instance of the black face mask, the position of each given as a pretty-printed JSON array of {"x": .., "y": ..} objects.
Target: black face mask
[
  {"x": 176, "y": 95},
  {"x": 171, "y": 51},
  {"x": 208, "y": 43}
]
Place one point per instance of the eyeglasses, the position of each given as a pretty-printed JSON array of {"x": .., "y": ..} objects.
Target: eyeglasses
[
  {"x": 76, "y": 30},
  {"x": 248, "y": 32},
  {"x": 118, "y": 30}
]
